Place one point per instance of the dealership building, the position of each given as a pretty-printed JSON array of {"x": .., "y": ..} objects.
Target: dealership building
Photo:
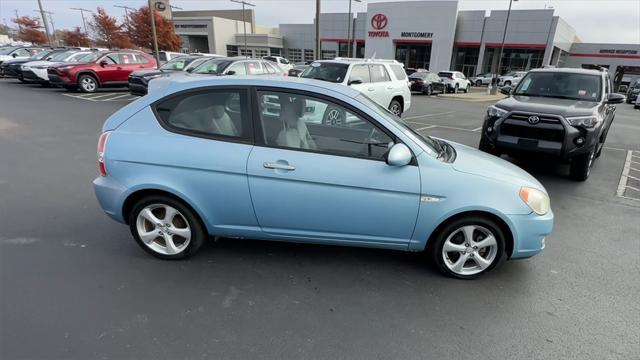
[{"x": 433, "y": 35}]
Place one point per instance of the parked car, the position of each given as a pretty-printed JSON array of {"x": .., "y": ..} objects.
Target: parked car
[
  {"x": 18, "y": 52},
  {"x": 297, "y": 70},
  {"x": 13, "y": 67},
  {"x": 384, "y": 81},
  {"x": 565, "y": 113},
  {"x": 239, "y": 65},
  {"x": 227, "y": 167},
  {"x": 455, "y": 81},
  {"x": 482, "y": 79},
  {"x": 138, "y": 80},
  {"x": 101, "y": 69},
  {"x": 36, "y": 71},
  {"x": 282, "y": 62},
  {"x": 165, "y": 56},
  {"x": 637, "y": 104},
  {"x": 511, "y": 78},
  {"x": 426, "y": 82},
  {"x": 633, "y": 92},
  {"x": 410, "y": 71}
]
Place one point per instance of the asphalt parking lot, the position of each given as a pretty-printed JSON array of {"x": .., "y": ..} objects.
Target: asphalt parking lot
[{"x": 74, "y": 284}]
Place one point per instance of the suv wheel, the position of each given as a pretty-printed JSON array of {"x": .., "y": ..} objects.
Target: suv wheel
[
  {"x": 456, "y": 88},
  {"x": 581, "y": 166},
  {"x": 485, "y": 146},
  {"x": 478, "y": 82},
  {"x": 395, "y": 107},
  {"x": 87, "y": 83},
  {"x": 468, "y": 247},
  {"x": 466, "y": 90},
  {"x": 507, "y": 83},
  {"x": 428, "y": 91}
]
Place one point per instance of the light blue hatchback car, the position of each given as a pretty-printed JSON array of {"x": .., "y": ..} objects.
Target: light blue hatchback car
[{"x": 308, "y": 161}]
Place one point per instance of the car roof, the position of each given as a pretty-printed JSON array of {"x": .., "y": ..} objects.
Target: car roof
[
  {"x": 193, "y": 81},
  {"x": 360, "y": 61},
  {"x": 569, "y": 70}
]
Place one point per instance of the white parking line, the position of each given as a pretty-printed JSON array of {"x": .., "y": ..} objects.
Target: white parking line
[
  {"x": 101, "y": 96},
  {"x": 478, "y": 129},
  {"x": 123, "y": 95},
  {"x": 441, "y": 126},
  {"x": 427, "y": 115},
  {"x": 425, "y": 127}
]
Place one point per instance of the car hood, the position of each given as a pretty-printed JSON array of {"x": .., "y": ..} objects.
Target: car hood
[
  {"x": 11, "y": 60},
  {"x": 473, "y": 161},
  {"x": 552, "y": 106},
  {"x": 150, "y": 72},
  {"x": 39, "y": 63}
]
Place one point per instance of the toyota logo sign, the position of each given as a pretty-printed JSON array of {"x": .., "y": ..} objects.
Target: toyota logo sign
[
  {"x": 379, "y": 21},
  {"x": 533, "y": 120}
]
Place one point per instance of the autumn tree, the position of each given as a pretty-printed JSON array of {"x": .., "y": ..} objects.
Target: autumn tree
[
  {"x": 29, "y": 30},
  {"x": 139, "y": 30},
  {"x": 107, "y": 31},
  {"x": 75, "y": 37}
]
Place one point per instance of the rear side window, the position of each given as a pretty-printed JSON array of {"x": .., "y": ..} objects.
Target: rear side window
[
  {"x": 212, "y": 113},
  {"x": 254, "y": 68},
  {"x": 238, "y": 69},
  {"x": 379, "y": 73},
  {"x": 269, "y": 68},
  {"x": 398, "y": 71},
  {"x": 360, "y": 71}
]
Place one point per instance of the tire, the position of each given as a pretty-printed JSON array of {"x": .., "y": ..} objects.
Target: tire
[
  {"x": 507, "y": 83},
  {"x": 479, "y": 83},
  {"x": 603, "y": 138},
  {"x": 428, "y": 91},
  {"x": 395, "y": 107},
  {"x": 485, "y": 146},
  {"x": 580, "y": 168},
  {"x": 466, "y": 90},
  {"x": 456, "y": 88},
  {"x": 88, "y": 84},
  {"x": 185, "y": 221},
  {"x": 462, "y": 240}
]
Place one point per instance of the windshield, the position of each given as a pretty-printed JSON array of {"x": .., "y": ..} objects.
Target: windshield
[
  {"x": 176, "y": 64},
  {"x": 418, "y": 75},
  {"x": 381, "y": 110},
  {"x": 559, "y": 85},
  {"x": 61, "y": 56},
  {"x": 41, "y": 55},
  {"x": 212, "y": 67},
  {"x": 445, "y": 74},
  {"x": 333, "y": 72},
  {"x": 7, "y": 50},
  {"x": 79, "y": 57}
]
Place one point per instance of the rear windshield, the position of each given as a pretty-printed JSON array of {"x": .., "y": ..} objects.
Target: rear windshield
[
  {"x": 445, "y": 74},
  {"x": 333, "y": 72},
  {"x": 559, "y": 85},
  {"x": 418, "y": 75}
]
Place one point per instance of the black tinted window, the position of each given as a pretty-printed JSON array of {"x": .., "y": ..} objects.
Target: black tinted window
[
  {"x": 208, "y": 113},
  {"x": 418, "y": 75},
  {"x": 333, "y": 72}
]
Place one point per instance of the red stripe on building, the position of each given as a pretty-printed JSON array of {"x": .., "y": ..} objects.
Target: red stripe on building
[
  {"x": 338, "y": 40},
  {"x": 412, "y": 41},
  {"x": 614, "y": 56},
  {"x": 359, "y": 41},
  {"x": 528, "y": 46},
  {"x": 463, "y": 43}
]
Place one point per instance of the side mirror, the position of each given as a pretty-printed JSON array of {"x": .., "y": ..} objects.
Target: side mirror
[
  {"x": 231, "y": 72},
  {"x": 14, "y": 55},
  {"x": 103, "y": 63},
  {"x": 506, "y": 90},
  {"x": 49, "y": 58},
  {"x": 614, "y": 98},
  {"x": 355, "y": 81},
  {"x": 399, "y": 155}
]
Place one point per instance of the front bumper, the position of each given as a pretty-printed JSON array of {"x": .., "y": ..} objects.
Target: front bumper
[
  {"x": 29, "y": 75},
  {"x": 11, "y": 70},
  {"x": 551, "y": 136},
  {"x": 529, "y": 233},
  {"x": 58, "y": 79},
  {"x": 138, "y": 86}
]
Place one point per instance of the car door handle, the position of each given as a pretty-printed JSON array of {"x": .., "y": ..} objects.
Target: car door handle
[{"x": 278, "y": 166}]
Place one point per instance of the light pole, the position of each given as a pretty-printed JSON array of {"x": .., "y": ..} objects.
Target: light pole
[
  {"x": 155, "y": 35},
  {"x": 84, "y": 23},
  {"x": 126, "y": 11},
  {"x": 494, "y": 81},
  {"x": 318, "y": 57},
  {"x": 350, "y": 45},
  {"x": 53, "y": 27},
  {"x": 44, "y": 21},
  {"x": 244, "y": 23}
]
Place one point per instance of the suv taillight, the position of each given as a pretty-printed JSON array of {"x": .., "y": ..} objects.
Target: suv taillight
[{"x": 101, "y": 146}]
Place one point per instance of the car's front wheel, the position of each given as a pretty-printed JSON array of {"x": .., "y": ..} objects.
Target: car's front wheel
[
  {"x": 478, "y": 82},
  {"x": 87, "y": 83},
  {"x": 166, "y": 228},
  {"x": 428, "y": 90},
  {"x": 580, "y": 168},
  {"x": 468, "y": 247},
  {"x": 466, "y": 90},
  {"x": 507, "y": 83},
  {"x": 456, "y": 88}
]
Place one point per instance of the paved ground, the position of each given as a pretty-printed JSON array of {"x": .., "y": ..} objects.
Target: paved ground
[{"x": 74, "y": 285}]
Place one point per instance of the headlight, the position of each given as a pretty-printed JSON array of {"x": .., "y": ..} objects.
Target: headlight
[
  {"x": 583, "y": 121},
  {"x": 494, "y": 111},
  {"x": 537, "y": 200}
]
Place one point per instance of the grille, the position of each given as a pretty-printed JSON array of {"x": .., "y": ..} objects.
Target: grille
[
  {"x": 548, "y": 128},
  {"x": 135, "y": 80}
]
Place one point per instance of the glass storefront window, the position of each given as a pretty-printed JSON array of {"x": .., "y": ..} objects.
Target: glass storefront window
[{"x": 415, "y": 56}]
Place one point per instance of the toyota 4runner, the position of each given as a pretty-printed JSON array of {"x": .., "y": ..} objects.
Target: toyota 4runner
[{"x": 565, "y": 113}]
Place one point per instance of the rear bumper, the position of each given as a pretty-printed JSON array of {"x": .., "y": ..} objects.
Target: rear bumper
[
  {"x": 110, "y": 194},
  {"x": 529, "y": 233}
]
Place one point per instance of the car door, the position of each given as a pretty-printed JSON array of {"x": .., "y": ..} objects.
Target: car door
[
  {"x": 237, "y": 68},
  {"x": 109, "y": 68},
  {"x": 384, "y": 87},
  {"x": 312, "y": 177},
  {"x": 128, "y": 63}
]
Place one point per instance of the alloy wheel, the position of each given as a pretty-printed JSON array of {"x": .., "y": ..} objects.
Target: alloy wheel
[
  {"x": 469, "y": 250},
  {"x": 163, "y": 229},
  {"x": 88, "y": 84},
  {"x": 395, "y": 109}
]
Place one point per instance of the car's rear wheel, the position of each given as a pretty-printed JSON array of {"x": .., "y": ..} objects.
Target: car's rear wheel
[
  {"x": 456, "y": 88},
  {"x": 428, "y": 90},
  {"x": 87, "y": 83},
  {"x": 580, "y": 168},
  {"x": 468, "y": 247},
  {"x": 478, "y": 82},
  {"x": 166, "y": 228},
  {"x": 395, "y": 107}
]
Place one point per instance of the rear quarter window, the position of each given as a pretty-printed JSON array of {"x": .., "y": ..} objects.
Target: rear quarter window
[{"x": 398, "y": 72}]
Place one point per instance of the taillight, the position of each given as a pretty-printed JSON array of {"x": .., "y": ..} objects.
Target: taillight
[{"x": 101, "y": 146}]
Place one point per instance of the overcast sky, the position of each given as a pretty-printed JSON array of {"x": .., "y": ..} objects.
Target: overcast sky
[{"x": 606, "y": 21}]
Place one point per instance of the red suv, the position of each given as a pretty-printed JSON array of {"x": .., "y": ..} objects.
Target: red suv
[{"x": 101, "y": 69}]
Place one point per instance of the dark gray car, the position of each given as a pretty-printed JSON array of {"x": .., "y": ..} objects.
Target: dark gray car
[{"x": 564, "y": 113}]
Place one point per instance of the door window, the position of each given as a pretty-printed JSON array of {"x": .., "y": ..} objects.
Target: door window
[
  {"x": 269, "y": 68},
  {"x": 111, "y": 59},
  {"x": 360, "y": 71},
  {"x": 254, "y": 68},
  {"x": 379, "y": 73},
  {"x": 214, "y": 113},
  {"x": 302, "y": 122},
  {"x": 237, "y": 68}
]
